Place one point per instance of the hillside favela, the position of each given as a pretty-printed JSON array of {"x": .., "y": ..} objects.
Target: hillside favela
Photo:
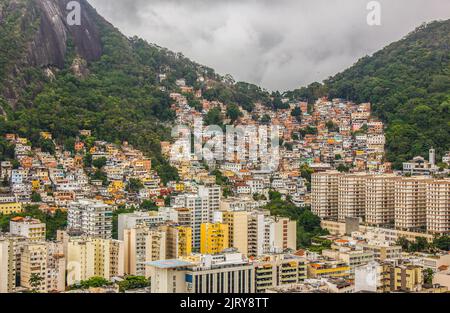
[{"x": 128, "y": 168}]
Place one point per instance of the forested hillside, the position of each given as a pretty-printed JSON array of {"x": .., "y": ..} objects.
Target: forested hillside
[
  {"x": 54, "y": 79},
  {"x": 408, "y": 83}
]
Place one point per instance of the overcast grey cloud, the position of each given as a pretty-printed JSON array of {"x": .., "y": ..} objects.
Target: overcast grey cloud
[{"x": 278, "y": 44}]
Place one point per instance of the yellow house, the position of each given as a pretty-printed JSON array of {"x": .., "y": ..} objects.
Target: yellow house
[
  {"x": 35, "y": 184},
  {"x": 46, "y": 135},
  {"x": 328, "y": 269},
  {"x": 213, "y": 238},
  {"x": 116, "y": 185},
  {"x": 179, "y": 187},
  {"x": 23, "y": 141},
  {"x": 407, "y": 278},
  {"x": 10, "y": 208}
]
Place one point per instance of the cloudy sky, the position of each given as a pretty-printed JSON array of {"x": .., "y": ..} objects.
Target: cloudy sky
[{"x": 277, "y": 44}]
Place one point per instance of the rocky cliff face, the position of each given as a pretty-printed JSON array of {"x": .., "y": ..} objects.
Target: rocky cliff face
[
  {"x": 49, "y": 45},
  {"x": 44, "y": 37}
]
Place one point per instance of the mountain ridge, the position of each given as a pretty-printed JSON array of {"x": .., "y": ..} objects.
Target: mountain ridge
[
  {"x": 60, "y": 78},
  {"x": 408, "y": 84}
]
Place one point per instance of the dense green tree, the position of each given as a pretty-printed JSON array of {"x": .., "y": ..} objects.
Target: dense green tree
[
  {"x": 133, "y": 282},
  {"x": 99, "y": 163},
  {"x": 35, "y": 197},
  {"x": 214, "y": 117},
  {"x": 148, "y": 205},
  {"x": 297, "y": 113},
  {"x": 233, "y": 112},
  {"x": 306, "y": 171},
  {"x": 167, "y": 173},
  {"x": 93, "y": 282},
  {"x": 343, "y": 168},
  {"x": 134, "y": 185},
  {"x": 35, "y": 281},
  {"x": 308, "y": 224},
  {"x": 265, "y": 119},
  {"x": 442, "y": 242},
  {"x": 87, "y": 160},
  {"x": 428, "y": 275},
  {"x": 47, "y": 145}
]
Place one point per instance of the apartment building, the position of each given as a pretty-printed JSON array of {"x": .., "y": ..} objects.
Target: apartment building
[
  {"x": 371, "y": 277},
  {"x": 8, "y": 208},
  {"x": 184, "y": 217},
  {"x": 89, "y": 257},
  {"x": 92, "y": 218},
  {"x": 214, "y": 238},
  {"x": 382, "y": 251},
  {"x": 28, "y": 227},
  {"x": 178, "y": 241},
  {"x": 278, "y": 270},
  {"x": 438, "y": 206},
  {"x": 156, "y": 245},
  {"x": 380, "y": 199},
  {"x": 352, "y": 257},
  {"x": 324, "y": 194},
  {"x": 281, "y": 234},
  {"x": 351, "y": 196},
  {"x": 237, "y": 222},
  {"x": 135, "y": 249},
  {"x": 199, "y": 208},
  {"x": 410, "y": 203},
  {"x": 257, "y": 244},
  {"x": 43, "y": 267},
  {"x": 214, "y": 194},
  {"x": 10, "y": 248},
  {"x": 405, "y": 277},
  {"x": 223, "y": 273},
  {"x": 325, "y": 268},
  {"x": 131, "y": 220}
]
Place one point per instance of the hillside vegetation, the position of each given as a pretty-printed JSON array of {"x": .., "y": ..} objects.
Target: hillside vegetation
[{"x": 408, "y": 83}]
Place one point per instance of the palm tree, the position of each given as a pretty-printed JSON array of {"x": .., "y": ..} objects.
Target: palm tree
[{"x": 35, "y": 281}]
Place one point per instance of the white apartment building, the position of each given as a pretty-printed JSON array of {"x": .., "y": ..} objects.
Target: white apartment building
[
  {"x": 88, "y": 257},
  {"x": 351, "y": 196},
  {"x": 92, "y": 218},
  {"x": 131, "y": 220},
  {"x": 30, "y": 228},
  {"x": 368, "y": 278},
  {"x": 224, "y": 273},
  {"x": 257, "y": 234},
  {"x": 410, "y": 203},
  {"x": 214, "y": 194},
  {"x": 380, "y": 199},
  {"x": 438, "y": 206},
  {"x": 199, "y": 208},
  {"x": 324, "y": 194},
  {"x": 141, "y": 245}
]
